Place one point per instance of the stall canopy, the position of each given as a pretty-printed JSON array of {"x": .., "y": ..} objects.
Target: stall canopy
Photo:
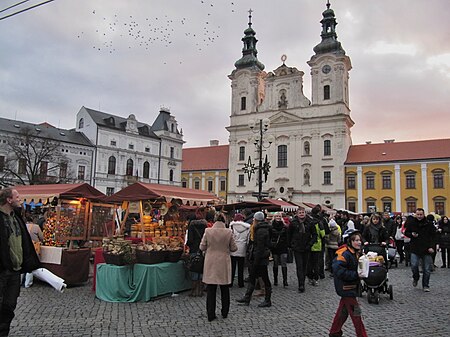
[
  {"x": 284, "y": 205},
  {"x": 324, "y": 208},
  {"x": 141, "y": 191},
  {"x": 64, "y": 191}
]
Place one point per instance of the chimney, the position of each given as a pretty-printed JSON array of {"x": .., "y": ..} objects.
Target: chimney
[
  {"x": 213, "y": 142},
  {"x": 389, "y": 140}
]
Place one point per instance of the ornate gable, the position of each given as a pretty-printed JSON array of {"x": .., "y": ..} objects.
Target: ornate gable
[{"x": 284, "y": 117}]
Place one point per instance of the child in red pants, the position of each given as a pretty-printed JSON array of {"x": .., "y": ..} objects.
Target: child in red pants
[{"x": 346, "y": 282}]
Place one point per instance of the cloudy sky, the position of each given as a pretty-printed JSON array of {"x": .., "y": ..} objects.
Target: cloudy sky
[{"x": 135, "y": 56}]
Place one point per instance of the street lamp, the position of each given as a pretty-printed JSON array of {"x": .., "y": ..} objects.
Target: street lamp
[{"x": 261, "y": 142}]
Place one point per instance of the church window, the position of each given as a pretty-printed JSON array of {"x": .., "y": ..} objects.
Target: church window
[
  {"x": 327, "y": 147},
  {"x": 129, "y": 171},
  {"x": 146, "y": 169},
  {"x": 282, "y": 156},
  {"x": 326, "y": 92},
  {"x": 327, "y": 177},
  {"x": 171, "y": 175},
  {"x": 242, "y": 153},
  {"x": 112, "y": 165},
  {"x": 243, "y": 103}
]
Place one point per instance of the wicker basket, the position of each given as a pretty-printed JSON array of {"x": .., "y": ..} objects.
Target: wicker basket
[
  {"x": 150, "y": 257},
  {"x": 174, "y": 255},
  {"x": 118, "y": 260}
]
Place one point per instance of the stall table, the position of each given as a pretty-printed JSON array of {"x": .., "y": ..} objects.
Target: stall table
[
  {"x": 140, "y": 282},
  {"x": 70, "y": 264}
]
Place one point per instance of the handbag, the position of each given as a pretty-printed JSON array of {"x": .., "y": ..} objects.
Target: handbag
[{"x": 196, "y": 262}]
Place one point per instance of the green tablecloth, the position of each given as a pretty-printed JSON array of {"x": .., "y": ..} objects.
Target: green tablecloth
[{"x": 139, "y": 282}]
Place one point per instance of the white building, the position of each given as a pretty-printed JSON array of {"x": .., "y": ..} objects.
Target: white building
[
  {"x": 128, "y": 151},
  {"x": 50, "y": 154},
  {"x": 310, "y": 137}
]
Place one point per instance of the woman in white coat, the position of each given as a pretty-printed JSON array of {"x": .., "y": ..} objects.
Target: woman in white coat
[
  {"x": 217, "y": 243},
  {"x": 241, "y": 231}
]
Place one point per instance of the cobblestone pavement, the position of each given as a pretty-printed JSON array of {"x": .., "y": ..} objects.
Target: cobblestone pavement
[{"x": 42, "y": 311}]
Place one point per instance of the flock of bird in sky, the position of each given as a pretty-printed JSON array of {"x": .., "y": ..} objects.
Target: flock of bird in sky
[{"x": 120, "y": 32}]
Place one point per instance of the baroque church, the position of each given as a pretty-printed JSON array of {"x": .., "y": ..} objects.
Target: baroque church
[{"x": 301, "y": 144}]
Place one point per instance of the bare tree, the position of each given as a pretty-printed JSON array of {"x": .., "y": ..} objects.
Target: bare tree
[{"x": 33, "y": 159}]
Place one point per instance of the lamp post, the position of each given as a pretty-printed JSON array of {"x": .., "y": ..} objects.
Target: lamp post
[{"x": 261, "y": 142}]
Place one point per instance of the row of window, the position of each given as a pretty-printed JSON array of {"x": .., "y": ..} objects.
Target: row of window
[
  {"x": 282, "y": 153},
  {"x": 210, "y": 185},
  {"x": 326, "y": 96},
  {"x": 306, "y": 178},
  {"x": 411, "y": 206},
  {"x": 130, "y": 168},
  {"x": 386, "y": 181}
]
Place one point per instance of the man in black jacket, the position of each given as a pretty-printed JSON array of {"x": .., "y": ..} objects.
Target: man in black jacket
[
  {"x": 422, "y": 235},
  {"x": 17, "y": 255},
  {"x": 301, "y": 237}
]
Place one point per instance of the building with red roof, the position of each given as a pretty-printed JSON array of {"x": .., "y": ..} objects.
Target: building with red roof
[
  {"x": 206, "y": 168},
  {"x": 398, "y": 176}
]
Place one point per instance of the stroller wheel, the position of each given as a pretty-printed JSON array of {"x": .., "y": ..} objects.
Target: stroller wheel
[
  {"x": 391, "y": 292},
  {"x": 376, "y": 297}
]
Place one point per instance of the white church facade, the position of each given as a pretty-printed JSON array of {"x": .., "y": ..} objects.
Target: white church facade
[{"x": 304, "y": 141}]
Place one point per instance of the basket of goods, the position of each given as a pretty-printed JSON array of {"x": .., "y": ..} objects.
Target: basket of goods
[
  {"x": 117, "y": 251},
  {"x": 151, "y": 253},
  {"x": 175, "y": 249}
]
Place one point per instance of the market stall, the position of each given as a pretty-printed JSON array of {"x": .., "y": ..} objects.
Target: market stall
[
  {"x": 146, "y": 264},
  {"x": 74, "y": 214}
]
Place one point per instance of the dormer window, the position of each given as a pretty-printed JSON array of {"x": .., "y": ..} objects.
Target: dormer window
[{"x": 81, "y": 123}]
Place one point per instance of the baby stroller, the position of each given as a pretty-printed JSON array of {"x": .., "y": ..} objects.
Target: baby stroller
[
  {"x": 377, "y": 281},
  {"x": 392, "y": 253}
]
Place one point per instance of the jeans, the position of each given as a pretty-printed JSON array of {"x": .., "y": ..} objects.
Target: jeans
[
  {"x": 427, "y": 263},
  {"x": 301, "y": 260},
  {"x": 348, "y": 306},
  {"x": 9, "y": 292},
  {"x": 279, "y": 259}
]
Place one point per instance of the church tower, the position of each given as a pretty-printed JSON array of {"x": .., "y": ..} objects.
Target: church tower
[{"x": 329, "y": 65}]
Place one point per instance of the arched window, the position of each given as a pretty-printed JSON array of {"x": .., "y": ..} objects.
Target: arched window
[
  {"x": 129, "y": 167},
  {"x": 112, "y": 165},
  {"x": 146, "y": 170},
  {"x": 171, "y": 175},
  {"x": 327, "y": 147},
  {"x": 326, "y": 92},
  {"x": 307, "y": 148},
  {"x": 282, "y": 156},
  {"x": 81, "y": 123}
]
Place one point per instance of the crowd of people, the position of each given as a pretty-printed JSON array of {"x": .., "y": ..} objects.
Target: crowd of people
[{"x": 316, "y": 243}]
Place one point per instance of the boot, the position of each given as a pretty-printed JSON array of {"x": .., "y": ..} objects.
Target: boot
[
  {"x": 267, "y": 301},
  {"x": 284, "y": 272},
  {"x": 275, "y": 276},
  {"x": 248, "y": 295},
  {"x": 194, "y": 289},
  {"x": 200, "y": 289}
]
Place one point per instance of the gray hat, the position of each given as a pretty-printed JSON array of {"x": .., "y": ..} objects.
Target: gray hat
[{"x": 259, "y": 216}]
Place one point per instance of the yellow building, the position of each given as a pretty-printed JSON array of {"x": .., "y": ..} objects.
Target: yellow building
[
  {"x": 206, "y": 168},
  {"x": 398, "y": 177}
]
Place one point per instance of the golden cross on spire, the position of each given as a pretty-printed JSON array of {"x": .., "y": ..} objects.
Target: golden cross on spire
[{"x": 250, "y": 11}]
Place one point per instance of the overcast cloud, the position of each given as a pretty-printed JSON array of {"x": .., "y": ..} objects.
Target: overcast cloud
[{"x": 131, "y": 57}]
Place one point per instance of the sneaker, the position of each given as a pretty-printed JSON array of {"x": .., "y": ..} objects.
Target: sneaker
[
  {"x": 426, "y": 289},
  {"x": 415, "y": 283}
]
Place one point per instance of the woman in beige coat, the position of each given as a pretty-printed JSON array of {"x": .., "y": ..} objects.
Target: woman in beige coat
[{"x": 217, "y": 243}]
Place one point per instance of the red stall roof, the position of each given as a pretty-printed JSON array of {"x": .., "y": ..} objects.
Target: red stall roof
[
  {"x": 284, "y": 205},
  {"x": 141, "y": 191},
  {"x": 64, "y": 191}
]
